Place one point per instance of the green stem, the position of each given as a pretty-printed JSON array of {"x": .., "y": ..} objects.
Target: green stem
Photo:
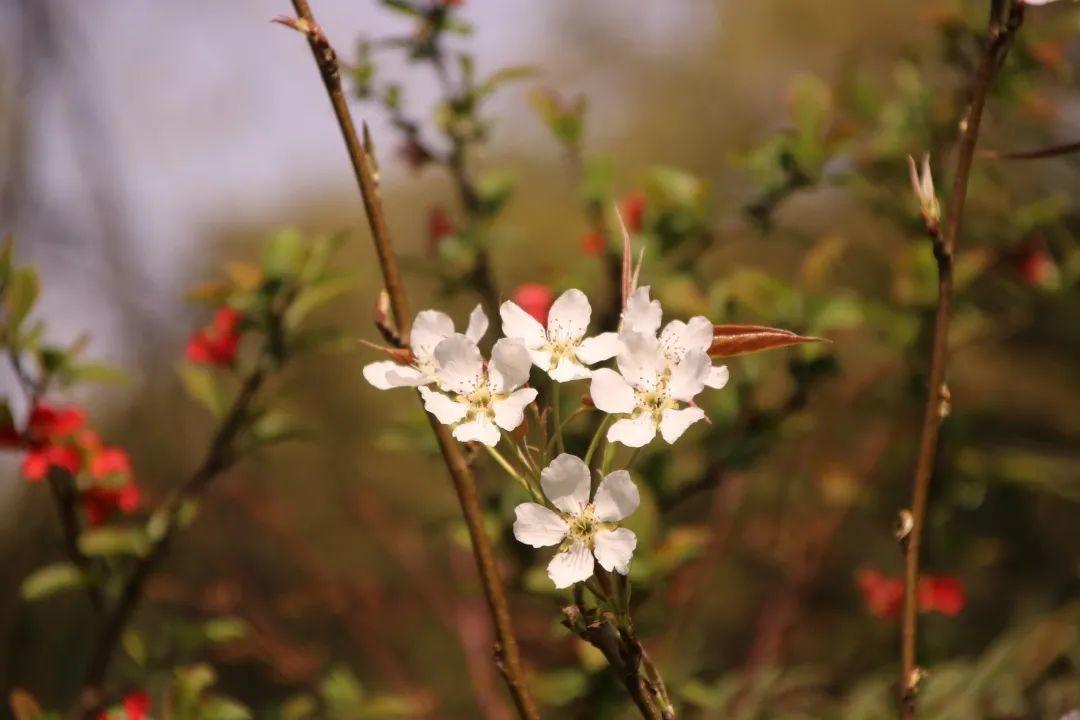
[
  {"x": 556, "y": 414},
  {"x": 560, "y": 428},
  {"x": 595, "y": 442},
  {"x": 510, "y": 469}
]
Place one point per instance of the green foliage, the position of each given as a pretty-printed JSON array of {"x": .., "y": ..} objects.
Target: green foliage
[{"x": 51, "y": 579}]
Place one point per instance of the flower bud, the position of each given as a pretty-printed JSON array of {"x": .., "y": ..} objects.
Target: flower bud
[{"x": 922, "y": 183}]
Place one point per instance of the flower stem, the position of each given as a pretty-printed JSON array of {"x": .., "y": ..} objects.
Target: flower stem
[
  {"x": 556, "y": 414},
  {"x": 595, "y": 442},
  {"x": 509, "y": 468}
]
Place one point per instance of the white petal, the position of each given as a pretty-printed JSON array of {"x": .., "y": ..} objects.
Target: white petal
[
  {"x": 718, "y": 377},
  {"x": 679, "y": 338},
  {"x": 478, "y": 324},
  {"x": 611, "y": 393},
  {"x": 566, "y": 483},
  {"x": 616, "y": 497},
  {"x": 673, "y": 423},
  {"x": 614, "y": 548},
  {"x": 446, "y": 409},
  {"x": 481, "y": 429},
  {"x": 574, "y": 565},
  {"x": 429, "y": 329},
  {"x": 509, "y": 413},
  {"x": 641, "y": 314},
  {"x": 633, "y": 432},
  {"x": 375, "y": 373},
  {"x": 569, "y": 316},
  {"x": 537, "y": 526},
  {"x": 597, "y": 349},
  {"x": 516, "y": 323},
  {"x": 641, "y": 361},
  {"x": 509, "y": 367},
  {"x": 541, "y": 359},
  {"x": 458, "y": 364},
  {"x": 688, "y": 377},
  {"x": 569, "y": 369}
]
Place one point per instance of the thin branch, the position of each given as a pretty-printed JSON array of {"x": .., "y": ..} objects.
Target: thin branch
[
  {"x": 996, "y": 46},
  {"x": 508, "y": 657},
  {"x": 1047, "y": 152}
]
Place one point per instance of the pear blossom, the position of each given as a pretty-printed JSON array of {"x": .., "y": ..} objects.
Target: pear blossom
[
  {"x": 477, "y": 399},
  {"x": 428, "y": 329},
  {"x": 560, "y": 349},
  {"x": 583, "y": 530}
]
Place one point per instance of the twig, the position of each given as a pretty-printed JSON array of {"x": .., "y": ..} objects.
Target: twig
[
  {"x": 507, "y": 653},
  {"x": 999, "y": 34},
  {"x": 1047, "y": 152}
]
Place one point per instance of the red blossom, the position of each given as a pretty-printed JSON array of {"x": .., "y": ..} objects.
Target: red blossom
[
  {"x": 884, "y": 595},
  {"x": 439, "y": 225},
  {"x": 48, "y": 422},
  {"x": 944, "y": 594},
  {"x": 216, "y": 344},
  {"x": 109, "y": 462},
  {"x": 592, "y": 243},
  {"x": 632, "y": 209},
  {"x": 39, "y": 460},
  {"x": 534, "y": 299},
  {"x": 101, "y": 502},
  {"x": 136, "y": 706}
]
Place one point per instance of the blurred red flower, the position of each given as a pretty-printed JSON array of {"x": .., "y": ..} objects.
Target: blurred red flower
[
  {"x": 39, "y": 460},
  {"x": 534, "y": 299},
  {"x": 109, "y": 462},
  {"x": 592, "y": 243},
  {"x": 48, "y": 422},
  {"x": 101, "y": 502},
  {"x": 136, "y": 706},
  {"x": 439, "y": 225},
  {"x": 632, "y": 209},
  {"x": 942, "y": 593},
  {"x": 884, "y": 595},
  {"x": 216, "y": 344}
]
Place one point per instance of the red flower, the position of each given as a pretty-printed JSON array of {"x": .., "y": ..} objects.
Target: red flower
[
  {"x": 942, "y": 593},
  {"x": 883, "y": 596},
  {"x": 39, "y": 460},
  {"x": 136, "y": 706},
  {"x": 109, "y": 462},
  {"x": 48, "y": 422},
  {"x": 592, "y": 243},
  {"x": 216, "y": 344},
  {"x": 101, "y": 502},
  {"x": 1034, "y": 264},
  {"x": 632, "y": 209},
  {"x": 534, "y": 299}
]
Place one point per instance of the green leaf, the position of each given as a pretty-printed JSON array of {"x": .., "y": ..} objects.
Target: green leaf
[
  {"x": 51, "y": 579},
  {"x": 505, "y": 75},
  {"x": 107, "y": 541},
  {"x": 201, "y": 385},
  {"x": 134, "y": 646},
  {"x": 493, "y": 190},
  {"x": 96, "y": 372},
  {"x": 24, "y": 706},
  {"x": 299, "y": 707},
  {"x": 315, "y": 296},
  {"x": 225, "y": 629},
  {"x": 276, "y": 427},
  {"x": 342, "y": 692},
  {"x": 6, "y": 259},
  {"x": 403, "y": 7},
  {"x": 21, "y": 294},
  {"x": 223, "y": 708},
  {"x": 283, "y": 255}
]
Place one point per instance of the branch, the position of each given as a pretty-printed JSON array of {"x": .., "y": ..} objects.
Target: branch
[
  {"x": 507, "y": 654},
  {"x": 996, "y": 46},
  {"x": 1047, "y": 152}
]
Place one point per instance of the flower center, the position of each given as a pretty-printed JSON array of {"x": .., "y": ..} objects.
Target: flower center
[
  {"x": 480, "y": 402},
  {"x": 583, "y": 526},
  {"x": 560, "y": 349}
]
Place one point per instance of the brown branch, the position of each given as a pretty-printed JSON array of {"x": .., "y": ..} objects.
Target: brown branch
[
  {"x": 996, "y": 46},
  {"x": 1047, "y": 152},
  {"x": 507, "y": 653}
]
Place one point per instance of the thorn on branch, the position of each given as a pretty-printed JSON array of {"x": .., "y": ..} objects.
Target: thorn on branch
[{"x": 905, "y": 521}]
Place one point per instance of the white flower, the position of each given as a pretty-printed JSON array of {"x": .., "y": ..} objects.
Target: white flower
[
  {"x": 642, "y": 315},
  {"x": 482, "y": 398},
  {"x": 561, "y": 349},
  {"x": 429, "y": 329},
  {"x": 582, "y": 529}
]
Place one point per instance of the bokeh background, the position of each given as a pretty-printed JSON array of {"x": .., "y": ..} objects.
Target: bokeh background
[{"x": 142, "y": 144}]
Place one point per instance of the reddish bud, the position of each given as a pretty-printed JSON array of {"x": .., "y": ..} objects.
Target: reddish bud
[
  {"x": 39, "y": 461},
  {"x": 110, "y": 462},
  {"x": 942, "y": 593},
  {"x": 632, "y": 209},
  {"x": 592, "y": 243},
  {"x": 218, "y": 343},
  {"x": 136, "y": 705},
  {"x": 883, "y": 596},
  {"x": 535, "y": 299},
  {"x": 439, "y": 225},
  {"x": 49, "y": 422}
]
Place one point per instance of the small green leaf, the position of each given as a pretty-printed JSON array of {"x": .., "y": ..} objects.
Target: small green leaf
[
  {"x": 201, "y": 386},
  {"x": 24, "y": 706},
  {"x": 96, "y": 372},
  {"x": 299, "y": 707},
  {"x": 6, "y": 259},
  {"x": 22, "y": 292},
  {"x": 493, "y": 190},
  {"x": 51, "y": 579},
  {"x": 133, "y": 645},
  {"x": 223, "y": 708},
  {"x": 284, "y": 254},
  {"x": 317, "y": 295},
  {"x": 342, "y": 692},
  {"x": 106, "y": 541},
  {"x": 225, "y": 629},
  {"x": 276, "y": 427}
]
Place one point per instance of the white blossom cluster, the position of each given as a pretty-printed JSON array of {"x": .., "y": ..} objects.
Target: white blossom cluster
[{"x": 657, "y": 374}]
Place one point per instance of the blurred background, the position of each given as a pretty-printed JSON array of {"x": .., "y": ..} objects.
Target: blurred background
[{"x": 760, "y": 152}]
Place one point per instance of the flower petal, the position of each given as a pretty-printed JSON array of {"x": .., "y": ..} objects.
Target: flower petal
[
  {"x": 718, "y": 377},
  {"x": 537, "y": 526},
  {"x": 516, "y": 323},
  {"x": 510, "y": 412},
  {"x": 574, "y": 565},
  {"x": 458, "y": 364},
  {"x": 614, "y": 548},
  {"x": 447, "y": 410},
  {"x": 673, "y": 423},
  {"x": 597, "y": 349},
  {"x": 429, "y": 329},
  {"x": 478, "y": 324},
  {"x": 633, "y": 432},
  {"x": 569, "y": 316},
  {"x": 688, "y": 377},
  {"x": 679, "y": 338},
  {"x": 509, "y": 367},
  {"x": 566, "y": 483},
  {"x": 481, "y": 430},
  {"x": 541, "y": 359},
  {"x": 569, "y": 369},
  {"x": 641, "y": 360},
  {"x": 387, "y": 374},
  {"x": 616, "y": 497},
  {"x": 611, "y": 393},
  {"x": 641, "y": 314}
]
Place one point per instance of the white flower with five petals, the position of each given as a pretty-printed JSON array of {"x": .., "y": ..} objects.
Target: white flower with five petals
[
  {"x": 583, "y": 530},
  {"x": 561, "y": 349},
  {"x": 428, "y": 329},
  {"x": 479, "y": 398}
]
